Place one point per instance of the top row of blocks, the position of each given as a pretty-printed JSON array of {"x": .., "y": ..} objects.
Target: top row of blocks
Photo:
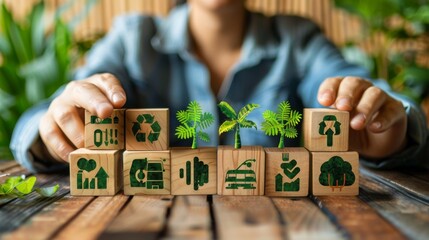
[{"x": 148, "y": 130}]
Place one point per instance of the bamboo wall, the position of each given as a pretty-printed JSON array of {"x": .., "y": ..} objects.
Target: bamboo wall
[{"x": 338, "y": 25}]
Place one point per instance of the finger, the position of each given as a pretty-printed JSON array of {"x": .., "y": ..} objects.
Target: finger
[
  {"x": 54, "y": 140},
  {"x": 111, "y": 87},
  {"x": 349, "y": 93},
  {"x": 84, "y": 94},
  {"x": 370, "y": 103},
  {"x": 328, "y": 91},
  {"x": 69, "y": 121},
  {"x": 389, "y": 114}
]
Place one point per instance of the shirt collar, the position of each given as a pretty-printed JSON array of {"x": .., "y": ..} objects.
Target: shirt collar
[{"x": 260, "y": 40}]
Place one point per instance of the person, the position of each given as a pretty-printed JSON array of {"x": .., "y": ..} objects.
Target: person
[{"x": 213, "y": 50}]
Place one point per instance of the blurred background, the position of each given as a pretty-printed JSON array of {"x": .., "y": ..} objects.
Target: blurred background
[{"x": 42, "y": 42}]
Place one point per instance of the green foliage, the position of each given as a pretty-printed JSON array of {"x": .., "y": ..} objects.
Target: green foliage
[
  {"x": 20, "y": 186},
  {"x": 35, "y": 60},
  {"x": 236, "y": 121},
  {"x": 401, "y": 68},
  {"x": 282, "y": 122},
  {"x": 192, "y": 121},
  {"x": 336, "y": 173}
]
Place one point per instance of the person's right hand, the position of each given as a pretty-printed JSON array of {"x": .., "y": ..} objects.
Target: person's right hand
[{"x": 62, "y": 126}]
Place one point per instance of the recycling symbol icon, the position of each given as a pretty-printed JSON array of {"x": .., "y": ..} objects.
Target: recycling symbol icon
[{"x": 140, "y": 130}]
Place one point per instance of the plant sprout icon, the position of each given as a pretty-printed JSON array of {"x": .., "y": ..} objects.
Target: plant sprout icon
[{"x": 329, "y": 126}]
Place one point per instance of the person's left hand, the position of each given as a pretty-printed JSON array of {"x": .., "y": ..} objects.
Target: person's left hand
[{"x": 378, "y": 122}]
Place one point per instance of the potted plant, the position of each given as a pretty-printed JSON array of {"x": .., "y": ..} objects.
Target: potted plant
[
  {"x": 241, "y": 170},
  {"x": 287, "y": 171},
  {"x": 194, "y": 168}
]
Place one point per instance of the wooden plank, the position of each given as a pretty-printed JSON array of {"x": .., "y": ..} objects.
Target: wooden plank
[
  {"x": 304, "y": 220},
  {"x": 415, "y": 186},
  {"x": 190, "y": 218},
  {"x": 4, "y": 165},
  {"x": 356, "y": 218},
  {"x": 408, "y": 215},
  {"x": 144, "y": 217},
  {"x": 93, "y": 220},
  {"x": 51, "y": 219},
  {"x": 16, "y": 212},
  {"x": 246, "y": 217}
]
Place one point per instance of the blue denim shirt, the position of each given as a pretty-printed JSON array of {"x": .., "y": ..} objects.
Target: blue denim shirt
[{"x": 283, "y": 58}]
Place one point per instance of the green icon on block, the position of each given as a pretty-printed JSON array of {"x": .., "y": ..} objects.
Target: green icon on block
[
  {"x": 201, "y": 173},
  {"x": 336, "y": 173},
  {"x": 154, "y": 133},
  {"x": 244, "y": 178},
  {"x": 291, "y": 171},
  {"x": 147, "y": 174},
  {"x": 85, "y": 165},
  {"x": 330, "y": 131}
]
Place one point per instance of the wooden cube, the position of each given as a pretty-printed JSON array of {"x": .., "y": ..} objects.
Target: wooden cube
[
  {"x": 147, "y": 129},
  {"x": 335, "y": 173},
  {"x": 326, "y": 129},
  {"x": 193, "y": 171},
  {"x": 287, "y": 172},
  {"x": 105, "y": 133},
  {"x": 95, "y": 172},
  {"x": 240, "y": 171},
  {"x": 146, "y": 172}
]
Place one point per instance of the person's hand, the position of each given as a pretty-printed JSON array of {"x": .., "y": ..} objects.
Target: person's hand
[
  {"x": 62, "y": 127},
  {"x": 378, "y": 122}
]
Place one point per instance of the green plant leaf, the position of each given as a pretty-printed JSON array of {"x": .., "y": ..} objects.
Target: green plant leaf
[
  {"x": 248, "y": 124},
  {"x": 26, "y": 186},
  {"x": 207, "y": 119},
  {"x": 183, "y": 117},
  {"x": 184, "y": 132},
  {"x": 246, "y": 110},
  {"x": 227, "y": 126},
  {"x": 283, "y": 111},
  {"x": 48, "y": 191},
  {"x": 194, "y": 111},
  {"x": 291, "y": 132},
  {"x": 294, "y": 118},
  {"x": 226, "y": 109},
  {"x": 271, "y": 127},
  {"x": 203, "y": 136},
  {"x": 37, "y": 27}
]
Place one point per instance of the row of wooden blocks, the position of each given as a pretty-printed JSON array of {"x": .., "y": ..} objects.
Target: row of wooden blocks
[
  {"x": 251, "y": 170},
  {"x": 148, "y": 130}
]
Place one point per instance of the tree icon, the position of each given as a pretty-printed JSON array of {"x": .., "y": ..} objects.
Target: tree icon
[
  {"x": 326, "y": 129},
  {"x": 336, "y": 173},
  {"x": 192, "y": 121},
  {"x": 282, "y": 122},
  {"x": 236, "y": 121}
]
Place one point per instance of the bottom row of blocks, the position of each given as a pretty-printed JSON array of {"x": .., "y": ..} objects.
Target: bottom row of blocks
[{"x": 251, "y": 170}]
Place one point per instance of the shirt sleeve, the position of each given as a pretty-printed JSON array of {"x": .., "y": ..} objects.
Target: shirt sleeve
[{"x": 321, "y": 59}]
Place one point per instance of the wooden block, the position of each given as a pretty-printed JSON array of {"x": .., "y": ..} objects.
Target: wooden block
[
  {"x": 95, "y": 172},
  {"x": 326, "y": 129},
  {"x": 193, "y": 171},
  {"x": 105, "y": 133},
  {"x": 287, "y": 172},
  {"x": 335, "y": 173},
  {"x": 146, "y": 172},
  {"x": 240, "y": 171},
  {"x": 147, "y": 129}
]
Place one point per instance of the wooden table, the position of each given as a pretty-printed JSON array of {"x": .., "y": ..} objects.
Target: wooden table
[{"x": 391, "y": 205}]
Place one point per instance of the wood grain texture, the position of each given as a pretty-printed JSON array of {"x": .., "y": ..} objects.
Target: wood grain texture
[
  {"x": 287, "y": 166},
  {"x": 356, "y": 218},
  {"x": 190, "y": 219},
  {"x": 202, "y": 166},
  {"x": 326, "y": 129},
  {"x": 336, "y": 187},
  {"x": 146, "y": 181},
  {"x": 302, "y": 219},
  {"x": 407, "y": 214},
  {"x": 106, "y": 134},
  {"x": 94, "y": 219},
  {"x": 51, "y": 219},
  {"x": 246, "y": 217},
  {"x": 249, "y": 179},
  {"x": 144, "y": 217},
  {"x": 103, "y": 180},
  {"x": 156, "y": 123}
]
